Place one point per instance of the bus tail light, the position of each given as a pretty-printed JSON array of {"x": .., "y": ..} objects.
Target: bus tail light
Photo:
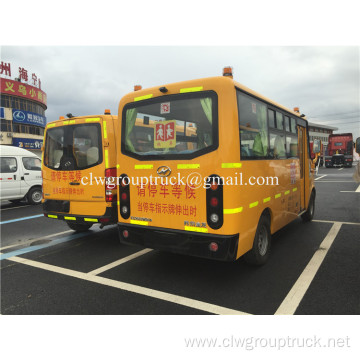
[
  {"x": 124, "y": 196},
  {"x": 110, "y": 185},
  {"x": 214, "y": 202},
  {"x": 137, "y": 87}
]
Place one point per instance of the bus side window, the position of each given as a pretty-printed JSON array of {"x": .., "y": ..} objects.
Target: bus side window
[
  {"x": 253, "y": 127},
  {"x": 291, "y": 146},
  {"x": 277, "y": 146}
]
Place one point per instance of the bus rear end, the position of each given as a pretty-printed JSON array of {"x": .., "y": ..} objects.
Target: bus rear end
[
  {"x": 79, "y": 155},
  {"x": 169, "y": 195}
]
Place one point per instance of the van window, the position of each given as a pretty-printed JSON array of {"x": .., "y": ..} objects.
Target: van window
[
  {"x": 73, "y": 147},
  {"x": 8, "y": 165},
  {"x": 175, "y": 126},
  {"x": 31, "y": 163},
  {"x": 253, "y": 127}
]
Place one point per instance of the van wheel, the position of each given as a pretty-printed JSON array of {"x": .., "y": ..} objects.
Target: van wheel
[
  {"x": 260, "y": 251},
  {"x": 309, "y": 214},
  {"x": 34, "y": 196},
  {"x": 79, "y": 227}
]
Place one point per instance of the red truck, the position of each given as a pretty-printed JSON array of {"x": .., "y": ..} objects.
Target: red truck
[{"x": 339, "y": 150}]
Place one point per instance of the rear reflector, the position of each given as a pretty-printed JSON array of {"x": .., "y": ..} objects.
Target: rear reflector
[{"x": 213, "y": 246}]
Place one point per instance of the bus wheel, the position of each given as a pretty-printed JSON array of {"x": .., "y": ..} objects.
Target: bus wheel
[
  {"x": 260, "y": 251},
  {"x": 78, "y": 227},
  {"x": 309, "y": 214}
]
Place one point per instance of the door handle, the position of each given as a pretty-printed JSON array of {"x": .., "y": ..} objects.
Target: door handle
[
  {"x": 26, "y": 173},
  {"x": 74, "y": 183}
]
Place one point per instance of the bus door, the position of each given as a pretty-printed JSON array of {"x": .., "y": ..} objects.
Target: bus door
[{"x": 302, "y": 158}]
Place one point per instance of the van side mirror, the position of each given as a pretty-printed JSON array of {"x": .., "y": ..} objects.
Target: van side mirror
[
  {"x": 357, "y": 145},
  {"x": 317, "y": 146}
]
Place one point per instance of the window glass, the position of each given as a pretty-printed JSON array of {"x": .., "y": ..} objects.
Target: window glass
[
  {"x": 173, "y": 127},
  {"x": 293, "y": 126},
  {"x": 87, "y": 145},
  {"x": 277, "y": 146},
  {"x": 5, "y": 125},
  {"x": 253, "y": 127},
  {"x": 271, "y": 118},
  {"x": 54, "y": 148},
  {"x": 31, "y": 163},
  {"x": 287, "y": 124},
  {"x": 279, "y": 121},
  {"x": 8, "y": 165},
  {"x": 291, "y": 146},
  {"x": 73, "y": 147}
]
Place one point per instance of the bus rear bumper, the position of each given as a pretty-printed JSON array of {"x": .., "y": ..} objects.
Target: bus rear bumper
[
  {"x": 108, "y": 218},
  {"x": 181, "y": 242}
]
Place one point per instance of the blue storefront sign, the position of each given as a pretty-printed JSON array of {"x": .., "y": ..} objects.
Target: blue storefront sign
[
  {"x": 2, "y": 113},
  {"x": 28, "y": 118},
  {"x": 24, "y": 143}
]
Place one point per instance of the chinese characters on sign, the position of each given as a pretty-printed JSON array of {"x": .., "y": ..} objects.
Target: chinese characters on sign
[
  {"x": 66, "y": 176},
  {"x": 165, "y": 134},
  {"x": 23, "y": 90},
  {"x": 167, "y": 192},
  {"x": 5, "y": 69}
]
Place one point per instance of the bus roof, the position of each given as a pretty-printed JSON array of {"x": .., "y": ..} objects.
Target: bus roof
[
  {"x": 79, "y": 117},
  {"x": 207, "y": 81}
]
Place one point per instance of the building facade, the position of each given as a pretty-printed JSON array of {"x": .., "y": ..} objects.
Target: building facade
[
  {"x": 22, "y": 110},
  {"x": 321, "y": 132}
]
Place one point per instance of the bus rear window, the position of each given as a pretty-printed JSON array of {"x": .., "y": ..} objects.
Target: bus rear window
[
  {"x": 175, "y": 126},
  {"x": 73, "y": 147}
]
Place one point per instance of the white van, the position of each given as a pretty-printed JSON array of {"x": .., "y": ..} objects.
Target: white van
[{"x": 20, "y": 175}]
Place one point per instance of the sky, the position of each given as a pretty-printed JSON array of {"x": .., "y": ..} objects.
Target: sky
[{"x": 323, "y": 81}]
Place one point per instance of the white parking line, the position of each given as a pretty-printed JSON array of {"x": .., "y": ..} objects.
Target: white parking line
[
  {"x": 33, "y": 240},
  {"x": 297, "y": 292},
  {"x": 341, "y": 169},
  {"x": 334, "y": 221},
  {"x": 119, "y": 262},
  {"x": 160, "y": 295},
  {"x": 320, "y": 177},
  {"x": 339, "y": 181}
]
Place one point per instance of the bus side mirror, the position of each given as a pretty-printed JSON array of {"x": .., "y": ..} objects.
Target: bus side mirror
[
  {"x": 317, "y": 146},
  {"x": 357, "y": 146}
]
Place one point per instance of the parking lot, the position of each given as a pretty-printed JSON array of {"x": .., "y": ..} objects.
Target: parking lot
[{"x": 46, "y": 268}]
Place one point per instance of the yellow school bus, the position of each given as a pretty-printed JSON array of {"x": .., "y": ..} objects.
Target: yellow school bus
[
  {"x": 210, "y": 168},
  {"x": 79, "y": 155}
]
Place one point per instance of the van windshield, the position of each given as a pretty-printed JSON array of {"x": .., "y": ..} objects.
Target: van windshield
[
  {"x": 168, "y": 127},
  {"x": 73, "y": 147}
]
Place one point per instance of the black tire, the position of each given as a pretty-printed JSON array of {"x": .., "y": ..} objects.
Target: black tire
[
  {"x": 260, "y": 251},
  {"x": 34, "y": 196},
  {"x": 79, "y": 227},
  {"x": 309, "y": 214}
]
